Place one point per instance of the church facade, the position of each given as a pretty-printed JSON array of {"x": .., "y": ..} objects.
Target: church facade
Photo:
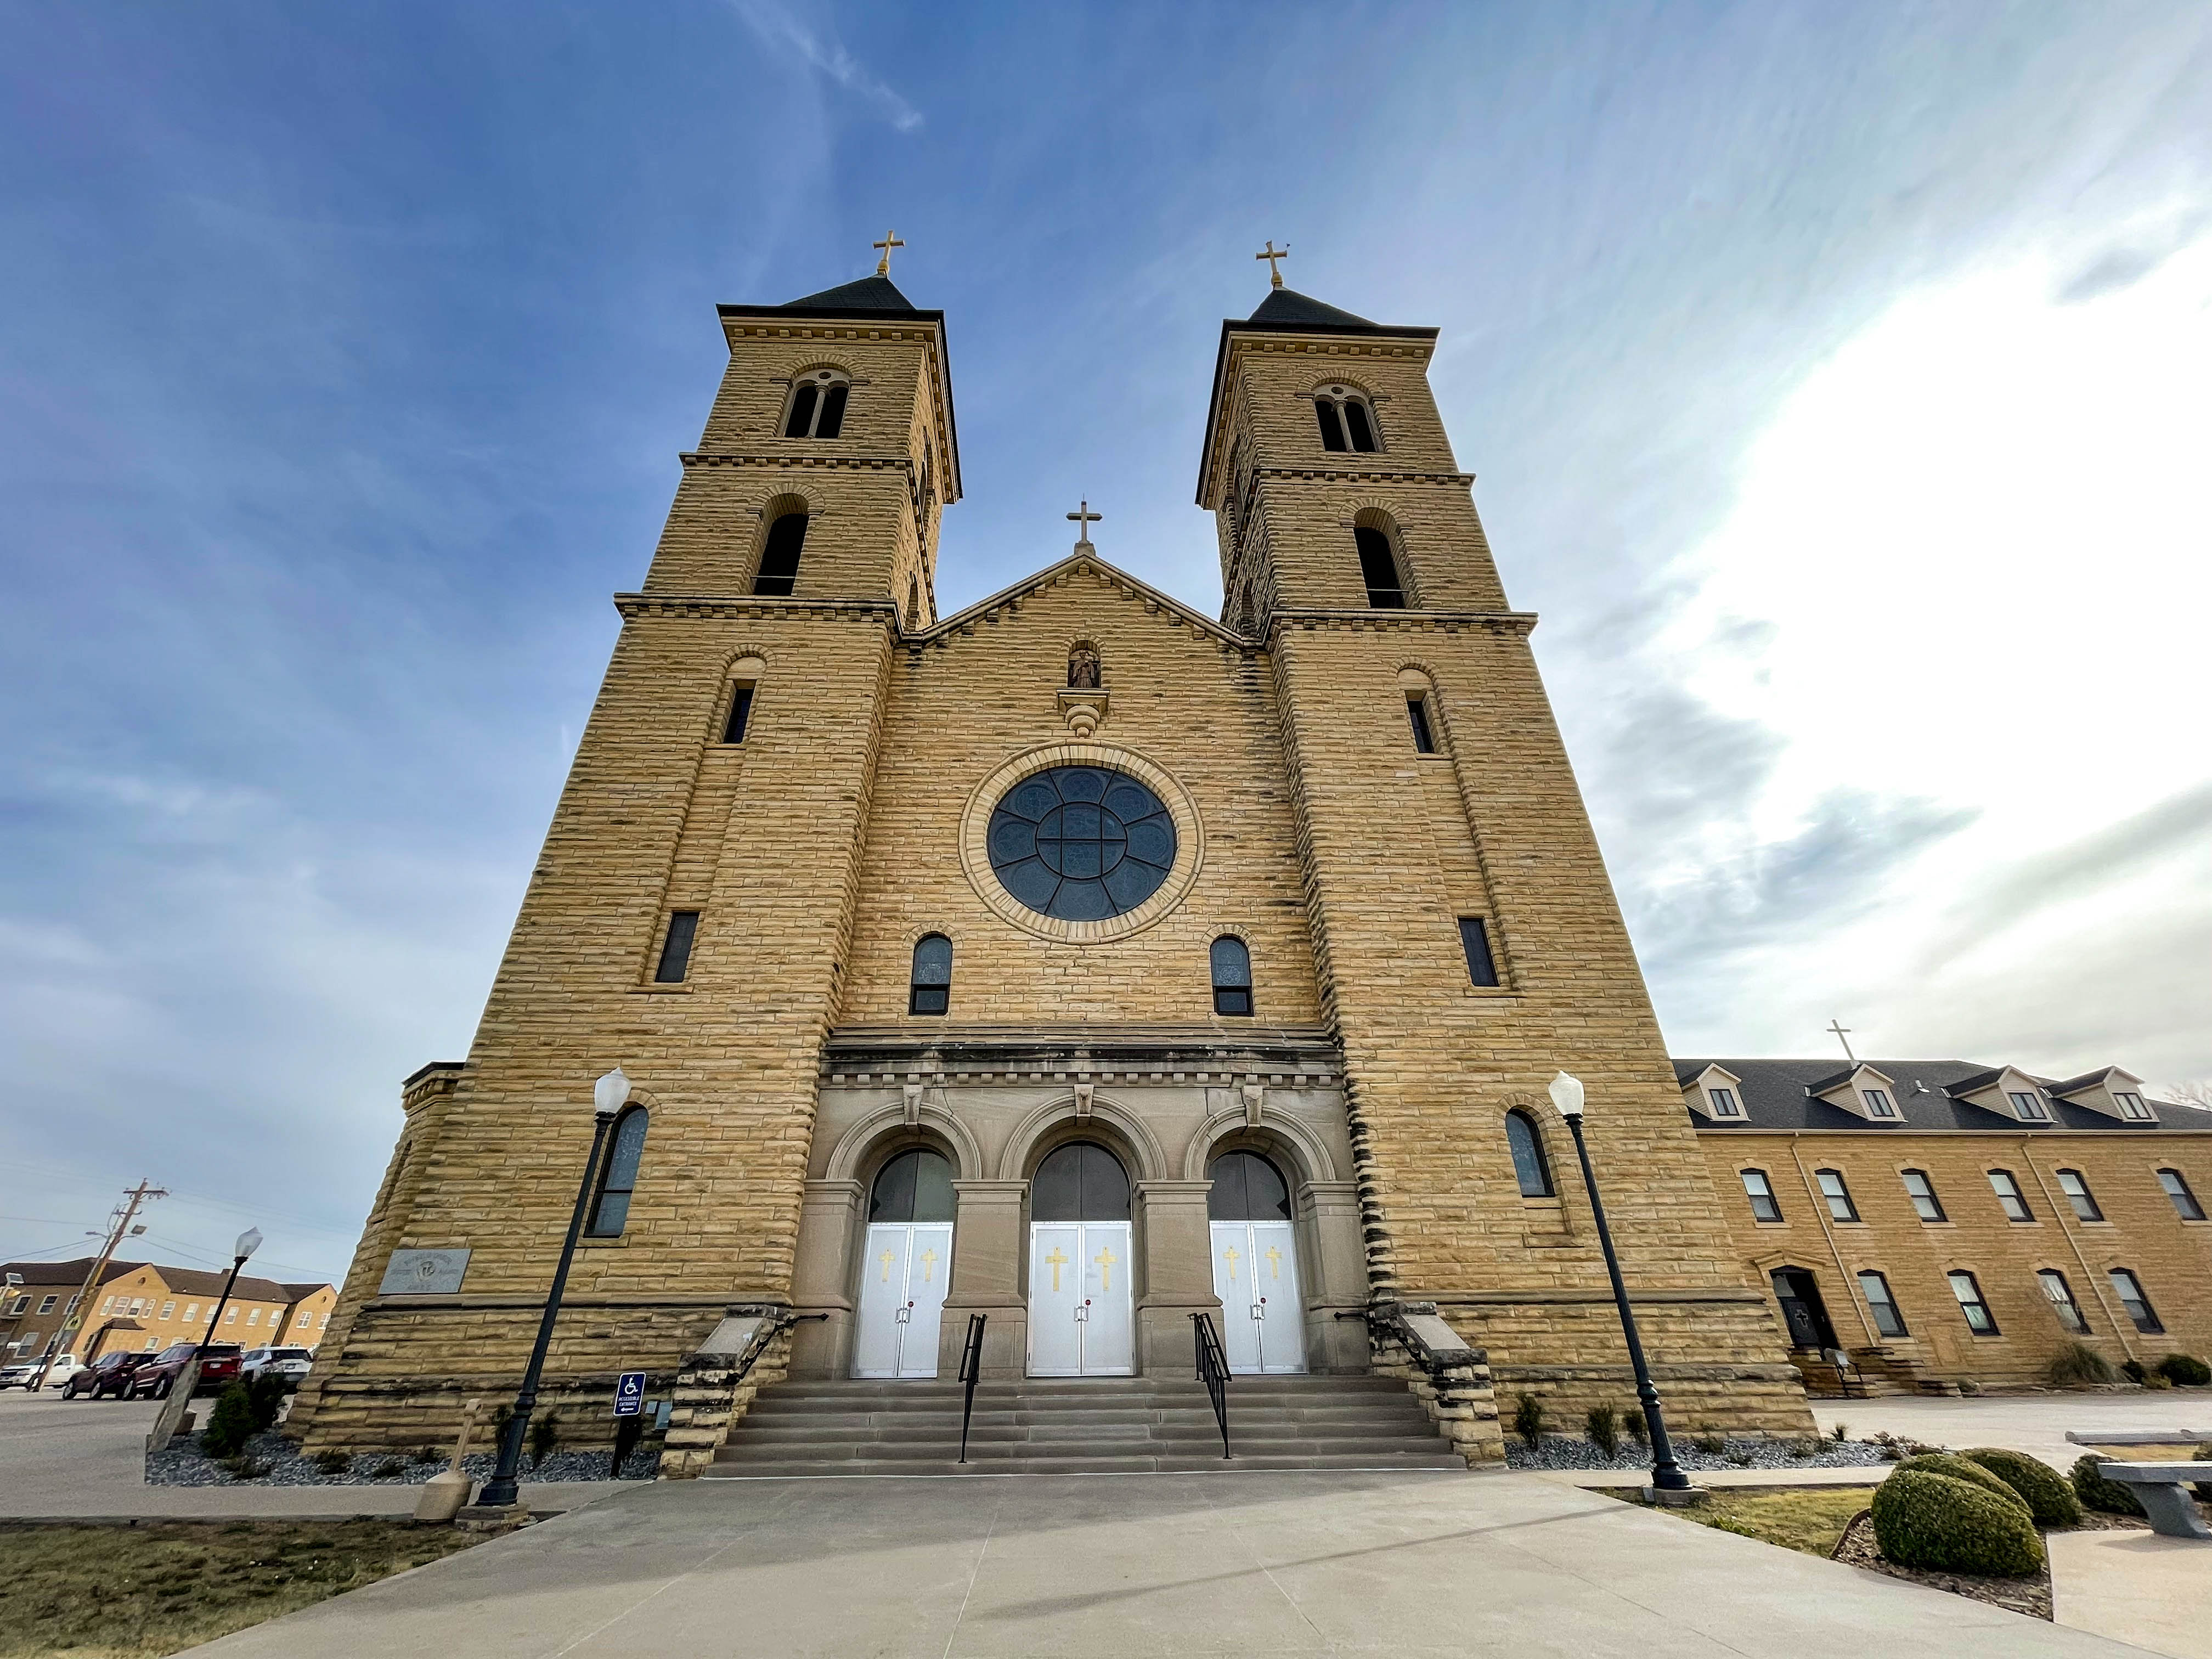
[{"x": 1079, "y": 959}]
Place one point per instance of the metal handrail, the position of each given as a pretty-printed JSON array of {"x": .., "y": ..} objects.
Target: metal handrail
[
  {"x": 971, "y": 1368},
  {"x": 1213, "y": 1371}
]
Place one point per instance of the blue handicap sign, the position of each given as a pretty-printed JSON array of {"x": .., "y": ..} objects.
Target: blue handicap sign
[{"x": 629, "y": 1393}]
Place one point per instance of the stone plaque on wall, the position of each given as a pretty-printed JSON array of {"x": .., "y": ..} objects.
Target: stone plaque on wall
[{"x": 425, "y": 1273}]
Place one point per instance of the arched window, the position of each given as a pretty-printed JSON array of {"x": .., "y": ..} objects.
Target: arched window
[
  {"x": 818, "y": 405},
  {"x": 1233, "y": 975},
  {"x": 916, "y": 1186},
  {"x": 1530, "y": 1168},
  {"x": 1347, "y": 421},
  {"x": 618, "y": 1178},
  {"x": 1079, "y": 1181},
  {"x": 1246, "y": 1188},
  {"x": 930, "y": 991},
  {"x": 779, "y": 565},
  {"x": 1378, "y": 568}
]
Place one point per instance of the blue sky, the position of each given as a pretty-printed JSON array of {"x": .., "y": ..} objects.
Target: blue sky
[{"x": 1834, "y": 375}]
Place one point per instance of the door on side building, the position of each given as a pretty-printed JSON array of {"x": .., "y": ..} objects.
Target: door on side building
[
  {"x": 904, "y": 1267},
  {"x": 1798, "y": 1294},
  {"x": 1080, "y": 1321},
  {"x": 1255, "y": 1265}
]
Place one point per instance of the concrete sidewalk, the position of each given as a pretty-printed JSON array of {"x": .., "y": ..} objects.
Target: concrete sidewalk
[
  {"x": 1404, "y": 1563},
  {"x": 77, "y": 1460},
  {"x": 2034, "y": 1423}
]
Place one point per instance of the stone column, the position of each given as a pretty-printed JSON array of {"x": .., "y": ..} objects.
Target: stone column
[
  {"x": 1178, "y": 1256},
  {"x": 1334, "y": 1262},
  {"x": 821, "y": 1276},
  {"x": 986, "y": 1278}
]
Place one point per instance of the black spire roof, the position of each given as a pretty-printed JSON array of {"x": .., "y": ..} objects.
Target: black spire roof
[
  {"x": 870, "y": 296},
  {"x": 1287, "y": 307}
]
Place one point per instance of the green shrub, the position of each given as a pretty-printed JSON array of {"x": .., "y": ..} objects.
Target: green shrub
[
  {"x": 1603, "y": 1427},
  {"x": 1632, "y": 1424},
  {"x": 2133, "y": 1369},
  {"x": 266, "y": 1395},
  {"x": 544, "y": 1436},
  {"x": 2185, "y": 1369},
  {"x": 390, "y": 1469},
  {"x": 1924, "y": 1519},
  {"x": 1709, "y": 1443},
  {"x": 2042, "y": 1488},
  {"x": 1528, "y": 1420},
  {"x": 1840, "y": 1433},
  {"x": 629, "y": 1430},
  {"x": 230, "y": 1425},
  {"x": 2075, "y": 1366},
  {"x": 334, "y": 1461},
  {"x": 2108, "y": 1497},
  {"x": 1960, "y": 1468}
]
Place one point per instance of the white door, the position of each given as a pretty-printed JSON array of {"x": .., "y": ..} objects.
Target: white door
[
  {"x": 1255, "y": 1274},
  {"x": 902, "y": 1298},
  {"x": 1079, "y": 1302}
]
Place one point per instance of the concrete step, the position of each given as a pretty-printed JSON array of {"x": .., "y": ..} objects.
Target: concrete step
[
  {"x": 805, "y": 1431},
  {"x": 1023, "y": 1450},
  {"x": 1442, "y": 1461}
]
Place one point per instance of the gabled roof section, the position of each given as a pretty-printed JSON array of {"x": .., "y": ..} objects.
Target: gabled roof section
[
  {"x": 1781, "y": 1094},
  {"x": 2088, "y": 1080},
  {"x": 1079, "y": 564},
  {"x": 1849, "y": 1075},
  {"x": 1285, "y": 310}
]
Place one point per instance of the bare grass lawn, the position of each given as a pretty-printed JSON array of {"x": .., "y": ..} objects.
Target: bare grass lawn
[
  {"x": 1808, "y": 1519},
  {"x": 134, "y": 1592}
]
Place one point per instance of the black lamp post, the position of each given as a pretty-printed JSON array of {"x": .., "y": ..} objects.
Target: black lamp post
[
  {"x": 248, "y": 1242},
  {"x": 1666, "y": 1475},
  {"x": 503, "y": 1490}
]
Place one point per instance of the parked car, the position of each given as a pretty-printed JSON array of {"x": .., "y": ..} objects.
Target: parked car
[
  {"x": 291, "y": 1364},
  {"x": 18, "y": 1375},
  {"x": 157, "y": 1378},
  {"x": 218, "y": 1366},
  {"x": 110, "y": 1375}
]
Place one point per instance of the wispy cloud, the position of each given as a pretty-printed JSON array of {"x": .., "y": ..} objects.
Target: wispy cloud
[{"x": 778, "y": 30}]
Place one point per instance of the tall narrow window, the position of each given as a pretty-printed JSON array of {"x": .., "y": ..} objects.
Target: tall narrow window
[
  {"x": 1417, "y": 712},
  {"x": 741, "y": 712},
  {"x": 2078, "y": 1195},
  {"x": 2008, "y": 1195},
  {"x": 2132, "y": 1108},
  {"x": 1922, "y": 1192},
  {"x": 1378, "y": 568},
  {"x": 1886, "y": 1318},
  {"x": 2185, "y": 1201},
  {"x": 1837, "y": 1194},
  {"x": 1723, "y": 1103},
  {"x": 2028, "y": 1107},
  {"x": 930, "y": 990},
  {"x": 2060, "y": 1295},
  {"x": 1346, "y": 421},
  {"x": 1761, "y": 1192},
  {"x": 818, "y": 405},
  {"x": 618, "y": 1179},
  {"x": 1358, "y": 427},
  {"x": 1332, "y": 425},
  {"x": 1474, "y": 939},
  {"x": 1530, "y": 1167},
  {"x": 1233, "y": 975},
  {"x": 779, "y": 565},
  {"x": 676, "y": 948},
  {"x": 2129, "y": 1289},
  {"x": 1878, "y": 1102},
  {"x": 1978, "y": 1318}
]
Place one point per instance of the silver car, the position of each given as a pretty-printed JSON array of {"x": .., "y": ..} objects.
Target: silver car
[{"x": 292, "y": 1365}]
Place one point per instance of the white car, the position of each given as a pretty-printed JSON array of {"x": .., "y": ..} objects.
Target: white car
[
  {"x": 291, "y": 1364},
  {"x": 24, "y": 1372}
]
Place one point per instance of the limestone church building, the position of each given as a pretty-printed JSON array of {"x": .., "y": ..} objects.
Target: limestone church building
[{"x": 1080, "y": 958}]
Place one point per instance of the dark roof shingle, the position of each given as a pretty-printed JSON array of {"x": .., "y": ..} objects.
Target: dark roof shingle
[{"x": 1780, "y": 1094}]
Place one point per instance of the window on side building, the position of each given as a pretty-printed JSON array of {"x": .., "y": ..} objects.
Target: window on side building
[
  {"x": 2177, "y": 1188},
  {"x": 2060, "y": 1295},
  {"x": 2129, "y": 1289},
  {"x": 2078, "y": 1195},
  {"x": 1886, "y": 1318},
  {"x": 1761, "y": 1191},
  {"x": 1922, "y": 1192},
  {"x": 1837, "y": 1194},
  {"x": 1976, "y": 1311},
  {"x": 2009, "y": 1197}
]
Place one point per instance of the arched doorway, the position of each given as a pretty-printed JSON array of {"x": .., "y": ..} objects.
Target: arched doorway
[
  {"x": 1079, "y": 1303},
  {"x": 1798, "y": 1294},
  {"x": 904, "y": 1266},
  {"x": 1256, "y": 1264}
]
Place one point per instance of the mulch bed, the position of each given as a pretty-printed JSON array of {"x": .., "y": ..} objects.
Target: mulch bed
[{"x": 2030, "y": 1595}]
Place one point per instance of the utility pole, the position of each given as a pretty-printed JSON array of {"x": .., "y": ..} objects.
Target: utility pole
[{"x": 73, "y": 1318}]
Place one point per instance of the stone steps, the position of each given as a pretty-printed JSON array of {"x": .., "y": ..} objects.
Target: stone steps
[{"x": 1092, "y": 1425}]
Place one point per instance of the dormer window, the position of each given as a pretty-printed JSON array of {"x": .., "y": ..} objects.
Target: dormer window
[
  {"x": 1878, "y": 1102},
  {"x": 2027, "y": 1106},
  {"x": 1347, "y": 421},
  {"x": 818, "y": 404},
  {"x": 1725, "y": 1103},
  {"x": 2131, "y": 1107}
]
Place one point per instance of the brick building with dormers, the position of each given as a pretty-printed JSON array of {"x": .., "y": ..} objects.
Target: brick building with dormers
[
  {"x": 146, "y": 1306},
  {"x": 1079, "y": 960},
  {"x": 1940, "y": 1221}
]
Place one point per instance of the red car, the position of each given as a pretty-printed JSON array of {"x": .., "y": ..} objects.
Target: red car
[
  {"x": 157, "y": 1377},
  {"x": 110, "y": 1375}
]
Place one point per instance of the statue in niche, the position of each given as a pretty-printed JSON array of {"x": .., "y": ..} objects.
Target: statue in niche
[{"x": 1083, "y": 669}]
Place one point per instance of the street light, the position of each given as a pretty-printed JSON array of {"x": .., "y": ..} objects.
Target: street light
[
  {"x": 1666, "y": 1476},
  {"x": 609, "y": 1095},
  {"x": 248, "y": 1242}
]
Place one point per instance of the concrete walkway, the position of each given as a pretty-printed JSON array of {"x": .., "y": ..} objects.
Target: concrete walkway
[
  {"x": 1408, "y": 1564},
  {"x": 74, "y": 1460},
  {"x": 2033, "y": 1423},
  {"x": 2136, "y": 1587}
]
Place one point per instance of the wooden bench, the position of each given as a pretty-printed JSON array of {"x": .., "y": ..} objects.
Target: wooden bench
[{"x": 2163, "y": 1491}]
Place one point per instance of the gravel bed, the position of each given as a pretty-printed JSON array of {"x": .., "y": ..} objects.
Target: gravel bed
[
  {"x": 1746, "y": 1452},
  {"x": 184, "y": 1465}
]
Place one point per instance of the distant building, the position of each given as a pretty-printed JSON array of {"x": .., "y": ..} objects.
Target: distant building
[
  {"x": 1942, "y": 1221},
  {"x": 144, "y": 1305}
]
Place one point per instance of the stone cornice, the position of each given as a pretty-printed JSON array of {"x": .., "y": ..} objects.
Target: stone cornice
[
  {"x": 1370, "y": 475},
  {"x": 691, "y": 458},
  {"x": 752, "y": 604},
  {"x": 1291, "y": 1054},
  {"x": 1449, "y": 622}
]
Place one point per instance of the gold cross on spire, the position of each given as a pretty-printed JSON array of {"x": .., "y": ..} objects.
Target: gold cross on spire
[
  {"x": 1272, "y": 254},
  {"x": 891, "y": 241},
  {"x": 1083, "y": 519}
]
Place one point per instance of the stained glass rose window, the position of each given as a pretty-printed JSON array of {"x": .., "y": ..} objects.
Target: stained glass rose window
[{"x": 1081, "y": 843}]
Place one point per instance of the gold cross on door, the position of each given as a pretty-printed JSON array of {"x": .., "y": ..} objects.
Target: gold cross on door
[
  {"x": 1106, "y": 1259},
  {"x": 1056, "y": 1261}
]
